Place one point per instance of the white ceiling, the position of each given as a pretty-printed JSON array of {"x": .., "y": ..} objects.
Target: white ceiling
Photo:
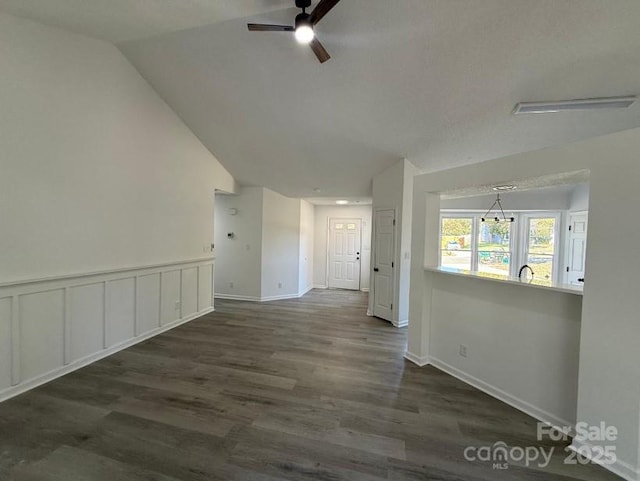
[
  {"x": 431, "y": 80},
  {"x": 566, "y": 180},
  {"x": 121, "y": 20}
]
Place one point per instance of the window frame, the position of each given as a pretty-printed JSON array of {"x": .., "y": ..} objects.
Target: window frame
[
  {"x": 474, "y": 242},
  {"x": 518, "y": 241},
  {"x": 525, "y": 223}
]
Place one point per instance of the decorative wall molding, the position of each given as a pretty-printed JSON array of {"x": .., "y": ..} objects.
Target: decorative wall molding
[
  {"x": 119, "y": 270},
  {"x": 56, "y": 325},
  {"x": 320, "y": 286}
]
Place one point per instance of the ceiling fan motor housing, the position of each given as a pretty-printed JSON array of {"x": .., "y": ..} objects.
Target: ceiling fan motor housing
[
  {"x": 303, "y": 19},
  {"x": 303, "y": 3}
]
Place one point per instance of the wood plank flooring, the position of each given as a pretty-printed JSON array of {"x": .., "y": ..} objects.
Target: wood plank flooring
[{"x": 305, "y": 389}]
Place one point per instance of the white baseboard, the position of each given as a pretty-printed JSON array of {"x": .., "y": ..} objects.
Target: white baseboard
[
  {"x": 233, "y": 297},
  {"x": 280, "y": 298},
  {"x": 369, "y": 313},
  {"x": 513, "y": 401},
  {"x": 80, "y": 363},
  {"x": 365, "y": 289},
  {"x": 283, "y": 297},
  {"x": 400, "y": 324},
  {"x": 319, "y": 286},
  {"x": 419, "y": 361},
  {"x": 305, "y": 291},
  {"x": 620, "y": 468}
]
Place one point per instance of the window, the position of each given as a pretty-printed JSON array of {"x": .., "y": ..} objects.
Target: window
[
  {"x": 501, "y": 248},
  {"x": 494, "y": 247},
  {"x": 540, "y": 248},
  {"x": 456, "y": 248}
]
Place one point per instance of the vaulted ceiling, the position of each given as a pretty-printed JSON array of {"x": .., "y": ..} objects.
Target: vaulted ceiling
[{"x": 434, "y": 81}]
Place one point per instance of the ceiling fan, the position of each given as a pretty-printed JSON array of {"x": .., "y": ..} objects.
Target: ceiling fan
[{"x": 304, "y": 24}]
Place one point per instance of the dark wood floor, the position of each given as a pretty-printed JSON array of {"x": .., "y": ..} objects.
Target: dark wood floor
[{"x": 307, "y": 389}]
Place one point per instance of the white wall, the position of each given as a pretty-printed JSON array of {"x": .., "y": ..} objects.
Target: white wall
[
  {"x": 393, "y": 189},
  {"x": 307, "y": 224},
  {"x": 97, "y": 172},
  {"x": 609, "y": 379},
  {"x": 522, "y": 343},
  {"x": 272, "y": 245},
  {"x": 105, "y": 193},
  {"x": 321, "y": 233},
  {"x": 239, "y": 259},
  {"x": 579, "y": 198},
  {"x": 280, "y": 245}
]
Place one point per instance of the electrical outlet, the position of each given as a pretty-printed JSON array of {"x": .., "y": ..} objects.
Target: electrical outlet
[
  {"x": 463, "y": 350},
  {"x": 231, "y": 285}
]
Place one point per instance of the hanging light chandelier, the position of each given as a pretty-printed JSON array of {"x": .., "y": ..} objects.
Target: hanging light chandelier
[{"x": 498, "y": 203}]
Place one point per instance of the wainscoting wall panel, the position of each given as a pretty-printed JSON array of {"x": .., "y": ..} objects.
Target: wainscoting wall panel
[
  {"x": 120, "y": 311},
  {"x": 205, "y": 286},
  {"x": 5, "y": 343},
  {"x": 41, "y": 333},
  {"x": 87, "y": 320},
  {"x": 49, "y": 327},
  {"x": 189, "y": 291},
  {"x": 170, "y": 296},
  {"x": 148, "y": 303}
]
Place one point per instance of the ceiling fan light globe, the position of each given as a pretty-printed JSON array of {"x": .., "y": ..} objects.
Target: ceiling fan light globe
[{"x": 305, "y": 34}]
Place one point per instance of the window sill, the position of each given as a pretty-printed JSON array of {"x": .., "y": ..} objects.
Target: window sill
[{"x": 535, "y": 283}]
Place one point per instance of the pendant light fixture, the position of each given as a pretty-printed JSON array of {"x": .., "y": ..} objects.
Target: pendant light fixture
[{"x": 498, "y": 203}]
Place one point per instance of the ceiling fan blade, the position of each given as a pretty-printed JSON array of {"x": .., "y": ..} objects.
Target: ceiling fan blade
[
  {"x": 322, "y": 9},
  {"x": 319, "y": 50},
  {"x": 261, "y": 27}
]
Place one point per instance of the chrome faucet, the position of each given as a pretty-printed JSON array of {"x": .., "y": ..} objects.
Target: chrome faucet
[{"x": 526, "y": 266}]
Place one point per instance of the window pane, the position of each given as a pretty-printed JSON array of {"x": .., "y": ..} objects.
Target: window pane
[
  {"x": 494, "y": 247},
  {"x": 541, "y": 265},
  {"x": 456, "y": 234},
  {"x": 456, "y": 259},
  {"x": 541, "y": 236},
  {"x": 494, "y": 236},
  {"x": 494, "y": 262}
]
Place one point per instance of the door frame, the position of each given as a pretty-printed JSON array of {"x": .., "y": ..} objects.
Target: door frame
[
  {"x": 372, "y": 277},
  {"x": 328, "y": 253}
]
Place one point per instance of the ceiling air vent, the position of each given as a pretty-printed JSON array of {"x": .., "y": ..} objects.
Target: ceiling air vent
[{"x": 574, "y": 105}]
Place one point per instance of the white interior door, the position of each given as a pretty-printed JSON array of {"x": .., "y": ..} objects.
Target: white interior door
[
  {"x": 345, "y": 238},
  {"x": 577, "y": 248},
  {"x": 383, "y": 264}
]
